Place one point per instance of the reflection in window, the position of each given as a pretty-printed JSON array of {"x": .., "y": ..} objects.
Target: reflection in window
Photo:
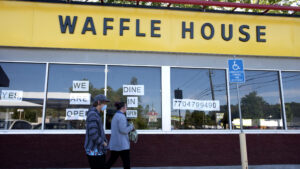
[
  {"x": 70, "y": 88},
  {"x": 142, "y": 93},
  {"x": 22, "y": 93},
  {"x": 291, "y": 88},
  {"x": 199, "y": 99},
  {"x": 260, "y": 101}
]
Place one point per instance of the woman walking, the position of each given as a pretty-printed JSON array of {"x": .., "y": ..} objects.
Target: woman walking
[
  {"x": 95, "y": 141},
  {"x": 119, "y": 144}
]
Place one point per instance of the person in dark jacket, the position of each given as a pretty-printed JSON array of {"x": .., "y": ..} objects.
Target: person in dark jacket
[
  {"x": 95, "y": 141},
  {"x": 119, "y": 144}
]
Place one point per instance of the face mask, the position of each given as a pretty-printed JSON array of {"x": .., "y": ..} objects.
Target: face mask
[{"x": 104, "y": 107}]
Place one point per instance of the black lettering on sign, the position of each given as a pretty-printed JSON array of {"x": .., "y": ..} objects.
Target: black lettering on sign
[
  {"x": 154, "y": 28},
  {"x": 67, "y": 24},
  {"x": 138, "y": 89},
  {"x": 212, "y": 31},
  {"x": 191, "y": 30},
  {"x": 76, "y": 85},
  {"x": 12, "y": 95},
  {"x": 259, "y": 33},
  {"x": 75, "y": 112},
  {"x": 105, "y": 26},
  {"x": 88, "y": 21},
  {"x": 69, "y": 113},
  {"x": 122, "y": 27},
  {"x": 131, "y": 101},
  {"x": 224, "y": 34},
  {"x": 137, "y": 30},
  {"x": 4, "y": 94},
  {"x": 247, "y": 35},
  {"x": 81, "y": 113}
]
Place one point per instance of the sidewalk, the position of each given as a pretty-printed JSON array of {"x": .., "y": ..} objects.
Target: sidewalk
[{"x": 288, "y": 166}]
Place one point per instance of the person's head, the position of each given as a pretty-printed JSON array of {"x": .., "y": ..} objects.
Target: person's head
[
  {"x": 100, "y": 102},
  {"x": 121, "y": 106}
]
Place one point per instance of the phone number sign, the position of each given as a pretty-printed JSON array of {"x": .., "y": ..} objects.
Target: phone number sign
[{"x": 201, "y": 105}]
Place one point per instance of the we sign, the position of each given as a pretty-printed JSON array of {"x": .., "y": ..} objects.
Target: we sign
[{"x": 80, "y": 86}]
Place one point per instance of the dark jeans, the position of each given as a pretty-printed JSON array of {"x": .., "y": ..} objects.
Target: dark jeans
[
  {"x": 125, "y": 156},
  {"x": 97, "y": 162}
]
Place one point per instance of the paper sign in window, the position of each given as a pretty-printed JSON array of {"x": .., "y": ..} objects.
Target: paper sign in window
[
  {"x": 133, "y": 90},
  {"x": 132, "y": 101},
  {"x": 76, "y": 114},
  {"x": 201, "y": 105},
  {"x": 12, "y": 95},
  {"x": 81, "y": 86},
  {"x": 131, "y": 113},
  {"x": 80, "y": 98}
]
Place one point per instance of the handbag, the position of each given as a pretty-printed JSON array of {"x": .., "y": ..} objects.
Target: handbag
[{"x": 133, "y": 136}]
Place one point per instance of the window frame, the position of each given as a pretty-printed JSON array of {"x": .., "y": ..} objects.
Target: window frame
[
  {"x": 25, "y": 131},
  {"x": 281, "y": 102},
  {"x": 161, "y": 86},
  {"x": 227, "y": 96},
  {"x": 283, "y": 99},
  {"x": 166, "y": 125}
]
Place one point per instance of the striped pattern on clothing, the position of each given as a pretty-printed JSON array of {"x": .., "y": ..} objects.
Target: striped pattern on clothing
[{"x": 95, "y": 136}]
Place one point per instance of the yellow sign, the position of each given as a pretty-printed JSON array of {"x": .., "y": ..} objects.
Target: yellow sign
[{"x": 50, "y": 25}]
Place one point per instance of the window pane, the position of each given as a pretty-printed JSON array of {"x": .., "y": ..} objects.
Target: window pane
[
  {"x": 22, "y": 93},
  {"x": 260, "y": 101},
  {"x": 69, "y": 90},
  {"x": 143, "y": 96},
  {"x": 291, "y": 90},
  {"x": 199, "y": 99}
]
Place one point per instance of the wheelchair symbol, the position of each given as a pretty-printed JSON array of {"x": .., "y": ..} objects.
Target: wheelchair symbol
[{"x": 235, "y": 66}]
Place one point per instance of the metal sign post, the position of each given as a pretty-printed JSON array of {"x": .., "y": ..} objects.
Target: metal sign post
[
  {"x": 239, "y": 104},
  {"x": 237, "y": 75}
]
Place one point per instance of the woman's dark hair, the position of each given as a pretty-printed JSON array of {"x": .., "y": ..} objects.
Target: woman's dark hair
[
  {"x": 119, "y": 105},
  {"x": 95, "y": 104}
]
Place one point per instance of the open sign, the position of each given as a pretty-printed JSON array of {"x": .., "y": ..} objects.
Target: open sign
[{"x": 76, "y": 114}]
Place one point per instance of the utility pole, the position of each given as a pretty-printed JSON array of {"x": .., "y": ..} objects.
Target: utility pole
[{"x": 211, "y": 84}]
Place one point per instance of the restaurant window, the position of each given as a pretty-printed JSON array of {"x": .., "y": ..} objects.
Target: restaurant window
[
  {"x": 22, "y": 93},
  {"x": 199, "y": 99},
  {"x": 70, "y": 88},
  {"x": 260, "y": 101},
  {"x": 291, "y": 90},
  {"x": 140, "y": 89}
]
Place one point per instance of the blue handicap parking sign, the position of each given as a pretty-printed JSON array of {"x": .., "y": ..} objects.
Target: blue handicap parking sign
[{"x": 236, "y": 71}]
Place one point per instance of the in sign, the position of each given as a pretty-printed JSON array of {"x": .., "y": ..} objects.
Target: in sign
[{"x": 132, "y": 101}]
